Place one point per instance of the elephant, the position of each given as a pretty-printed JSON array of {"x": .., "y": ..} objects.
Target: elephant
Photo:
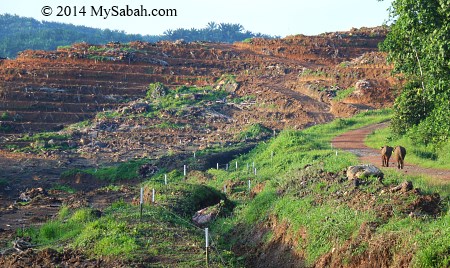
[
  {"x": 399, "y": 156},
  {"x": 386, "y": 152}
]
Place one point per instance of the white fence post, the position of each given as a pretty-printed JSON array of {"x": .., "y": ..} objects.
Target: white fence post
[
  {"x": 141, "y": 202},
  {"x": 207, "y": 246}
]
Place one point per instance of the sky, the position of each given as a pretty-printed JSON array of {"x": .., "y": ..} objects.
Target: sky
[{"x": 280, "y": 18}]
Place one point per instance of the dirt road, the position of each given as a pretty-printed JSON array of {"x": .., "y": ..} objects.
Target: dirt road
[{"x": 353, "y": 141}]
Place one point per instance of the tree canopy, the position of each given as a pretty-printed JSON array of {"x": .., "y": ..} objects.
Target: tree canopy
[
  {"x": 213, "y": 32},
  {"x": 419, "y": 46}
]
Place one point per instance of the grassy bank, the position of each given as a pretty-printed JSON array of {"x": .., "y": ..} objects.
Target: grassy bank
[{"x": 300, "y": 185}]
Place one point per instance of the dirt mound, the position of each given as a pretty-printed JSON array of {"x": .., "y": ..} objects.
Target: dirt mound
[
  {"x": 281, "y": 251},
  {"x": 52, "y": 258}
]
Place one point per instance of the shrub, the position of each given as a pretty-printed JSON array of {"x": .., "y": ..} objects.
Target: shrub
[{"x": 156, "y": 91}]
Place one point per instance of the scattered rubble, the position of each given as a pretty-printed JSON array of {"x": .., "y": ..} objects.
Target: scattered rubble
[
  {"x": 28, "y": 195},
  {"x": 403, "y": 187}
]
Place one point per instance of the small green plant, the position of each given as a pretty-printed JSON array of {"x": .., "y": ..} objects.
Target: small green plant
[
  {"x": 44, "y": 136},
  {"x": 156, "y": 91},
  {"x": 4, "y": 116},
  {"x": 342, "y": 94},
  {"x": 80, "y": 125},
  {"x": 310, "y": 72},
  {"x": 111, "y": 188},
  {"x": 254, "y": 131},
  {"x": 122, "y": 172},
  {"x": 64, "y": 188},
  {"x": 68, "y": 47}
]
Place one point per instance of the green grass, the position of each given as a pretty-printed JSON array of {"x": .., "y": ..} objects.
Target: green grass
[
  {"x": 121, "y": 172},
  {"x": 342, "y": 94},
  {"x": 169, "y": 125},
  {"x": 79, "y": 125},
  {"x": 254, "y": 131},
  {"x": 182, "y": 197},
  {"x": 326, "y": 225},
  {"x": 430, "y": 237},
  {"x": 4, "y": 116},
  {"x": 416, "y": 153},
  {"x": 161, "y": 237},
  {"x": 64, "y": 188}
]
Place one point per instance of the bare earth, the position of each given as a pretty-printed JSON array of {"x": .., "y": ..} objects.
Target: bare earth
[{"x": 353, "y": 141}]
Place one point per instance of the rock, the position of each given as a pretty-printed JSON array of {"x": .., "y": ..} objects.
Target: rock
[
  {"x": 71, "y": 144},
  {"x": 206, "y": 215},
  {"x": 363, "y": 171},
  {"x": 100, "y": 144},
  {"x": 403, "y": 187},
  {"x": 363, "y": 84},
  {"x": 141, "y": 108},
  {"x": 203, "y": 217}
]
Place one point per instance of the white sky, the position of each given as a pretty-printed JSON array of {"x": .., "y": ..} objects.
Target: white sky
[{"x": 282, "y": 17}]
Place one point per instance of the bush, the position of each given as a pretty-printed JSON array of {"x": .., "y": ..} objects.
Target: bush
[{"x": 156, "y": 91}]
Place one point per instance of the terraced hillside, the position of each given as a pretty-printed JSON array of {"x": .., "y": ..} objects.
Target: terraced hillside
[
  {"x": 213, "y": 95},
  {"x": 45, "y": 90}
]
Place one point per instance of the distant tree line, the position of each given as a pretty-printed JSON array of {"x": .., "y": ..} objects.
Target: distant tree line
[
  {"x": 213, "y": 32},
  {"x": 19, "y": 33}
]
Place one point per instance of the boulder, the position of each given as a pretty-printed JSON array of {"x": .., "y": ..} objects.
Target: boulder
[
  {"x": 206, "y": 215},
  {"x": 363, "y": 171}
]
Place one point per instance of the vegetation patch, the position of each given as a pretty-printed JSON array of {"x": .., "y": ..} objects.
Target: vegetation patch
[
  {"x": 254, "y": 131},
  {"x": 342, "y": 94},
  {"x": 122, "y": 172}
]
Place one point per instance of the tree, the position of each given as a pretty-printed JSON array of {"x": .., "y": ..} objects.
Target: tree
[{"x": 419, "y": 46}]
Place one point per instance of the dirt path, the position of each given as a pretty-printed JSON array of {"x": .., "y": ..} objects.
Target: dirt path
[{"x": 353, "y": 141}]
